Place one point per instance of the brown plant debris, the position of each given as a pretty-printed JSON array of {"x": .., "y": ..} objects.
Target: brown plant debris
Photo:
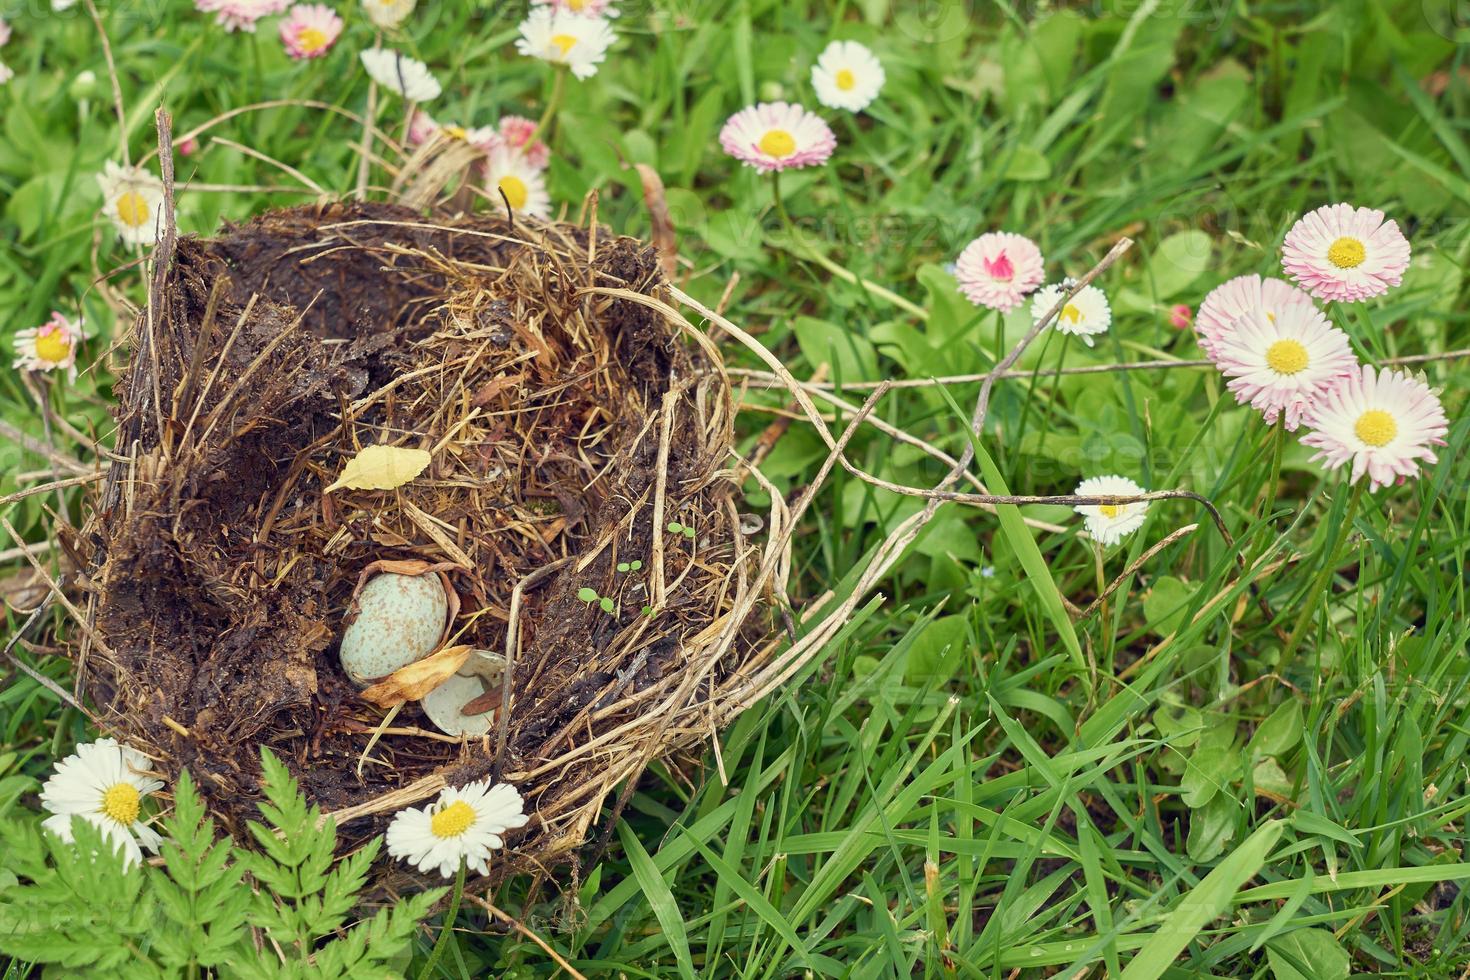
[{"x": 560, "y": 424}]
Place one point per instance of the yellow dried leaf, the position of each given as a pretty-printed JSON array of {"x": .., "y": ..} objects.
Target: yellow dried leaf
[
  {"x": 417, "y": 679},
  {"x": 381, "y": 468}
]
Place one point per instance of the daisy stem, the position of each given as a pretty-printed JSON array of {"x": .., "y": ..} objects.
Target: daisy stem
[
  {"x": 558, "y": 90},
  {"x": 796, "y": 246},
  {"x": 1278, "y": 446},
  {"x": 446, "y": 931},
  {"x": 1337, "y": 537}
]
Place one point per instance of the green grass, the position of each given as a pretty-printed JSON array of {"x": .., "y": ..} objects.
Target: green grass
[{"x": 950, "y": 789}]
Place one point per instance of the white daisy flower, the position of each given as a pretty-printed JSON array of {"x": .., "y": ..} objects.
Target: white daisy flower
[
  {"x": 463, "y": 824},
  {"x": 557, "y": 35},
  {"x": 775, "y": 136},
  {"x": 1382, "y": 421},
  {"x": 1085, "y": 315},
  {"x": 397, "y": 72},
  {"x": 1345, "y": 253},
  {"x": 1283, "y": 364},
  {"x": 133, "y": 199},
  {"x": 388, "y": 14},
  {"x": 1110, "y": 523},
  {"x": 508, "y": 172},
  {"x": 847, "y": 76},
  {"x": 50, "y": 347},
  {"x": 103, "y": 783}
]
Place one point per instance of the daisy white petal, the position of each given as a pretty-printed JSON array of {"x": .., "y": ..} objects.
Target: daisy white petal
[
  {"x": 771, "y": 136},
  {"x": 399, "y": 73},
  {"x": 240, "y": 15},
  {"x": 1085, "y": 315},
  {"x": 50, "y": 347},
  {"x": 4, "y": 33},
  {"x": 388, "y": 14},
  {"x": 508, "y": 172},
  {"x": 592, "y": 8},
  {"x": 847, "y": 76},
  {"x": 1110, "y": 523},
  {"x": 462, "y": 825},
  {"x": 998, "y": 269},
  {"x": 105, "y": 784},
  {"x": 1227, "y": 301},
  {"x": 133, "y": 199},
  {"x": 1383, "y": 422},
  {"x": 310, "y": 30},
  {"x": 558, "y": 35},
  {"x": 1284, "y": 364},
  {"x": 6, "y": 73},
  {"x": 1345, "y": 253}
]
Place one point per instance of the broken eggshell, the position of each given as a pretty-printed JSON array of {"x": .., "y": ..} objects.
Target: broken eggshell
[
  {"x": 400, "y": 619},
  {"x": 445, "y": 707}
]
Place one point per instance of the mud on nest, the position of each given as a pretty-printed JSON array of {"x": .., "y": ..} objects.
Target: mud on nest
[{"x": 568, "y": 427}]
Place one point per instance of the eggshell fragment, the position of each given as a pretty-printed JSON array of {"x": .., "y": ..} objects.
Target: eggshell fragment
[
  {"x": 400, "y": 619},
  {"x": 444, "y": 705}
]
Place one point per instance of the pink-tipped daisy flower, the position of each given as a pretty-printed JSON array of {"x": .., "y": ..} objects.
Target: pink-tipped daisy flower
[
  {"x": 310, "y": 30},
  {"x": 1383, "y": 421},
  {"x": 240, "y": 15},
  {"x": 1180, "y": 316},
  {"x": 998, "y": 269},
  {"x": 1283, "y": 365},
  {"x": 517, "y": 132},
  {"x": 774, "y": 136},
  {"x": 1227, "y": 301},
  {"x": 50, "y": 347},
  {"x": 1345, "y": 253}
]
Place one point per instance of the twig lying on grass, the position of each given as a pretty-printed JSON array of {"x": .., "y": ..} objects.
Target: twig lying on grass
[
  {"x": 36, "y": 675},
  {"x": 1133, "y": 567},
  {"x": 956, "y": 379},
  {"x": 515, "y": 924}
]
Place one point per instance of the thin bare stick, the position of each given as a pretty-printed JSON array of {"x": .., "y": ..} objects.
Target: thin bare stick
[
  {"x": 75, "y": 481},
  {"x": 36, "y": 675},
  {"x": 958, "y": 379},
  {"x": 515, "y": 924},
  {"x": 285, "y": 168},
  {"x": 512, "y": 647},
  {"x": 51, "y": 583},
  {"x": 117, "y": 99},
  {"x": 1134, "y": 566}
]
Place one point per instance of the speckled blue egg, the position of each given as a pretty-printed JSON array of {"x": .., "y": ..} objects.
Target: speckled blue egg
[{"x": 400, "y": 619}]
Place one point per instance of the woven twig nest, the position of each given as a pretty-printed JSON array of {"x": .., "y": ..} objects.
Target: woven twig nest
[{"x": 569, "y": 425}]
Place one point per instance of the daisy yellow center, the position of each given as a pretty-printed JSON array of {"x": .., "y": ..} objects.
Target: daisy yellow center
[
  {"x": 453, "y": 820},
  {"x": 120, "y": 803},
  {"x": 1111, "y": 511},
  {"x": 515, "y": 191},
  {"x": 1376, "y": 427},
  {"x": 311, "y": 40},
  {"x": 1346, "y": 253},
  {"x": 53, "y": 347},
  {"x": 846, "y": 80},
  {"x": 778, "y": 143},
  {"x": 576, "y": 5},
  {"x": 132, "y": 210},
  {"x": 456, "y": 132},
  {"x": 1071, "y": 314},
  {"x": 563, "y": 43},
  {"x": 1286, "y": 357}
]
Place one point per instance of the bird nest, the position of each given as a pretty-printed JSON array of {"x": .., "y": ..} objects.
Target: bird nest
[{"x": 570, "y": 422}]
